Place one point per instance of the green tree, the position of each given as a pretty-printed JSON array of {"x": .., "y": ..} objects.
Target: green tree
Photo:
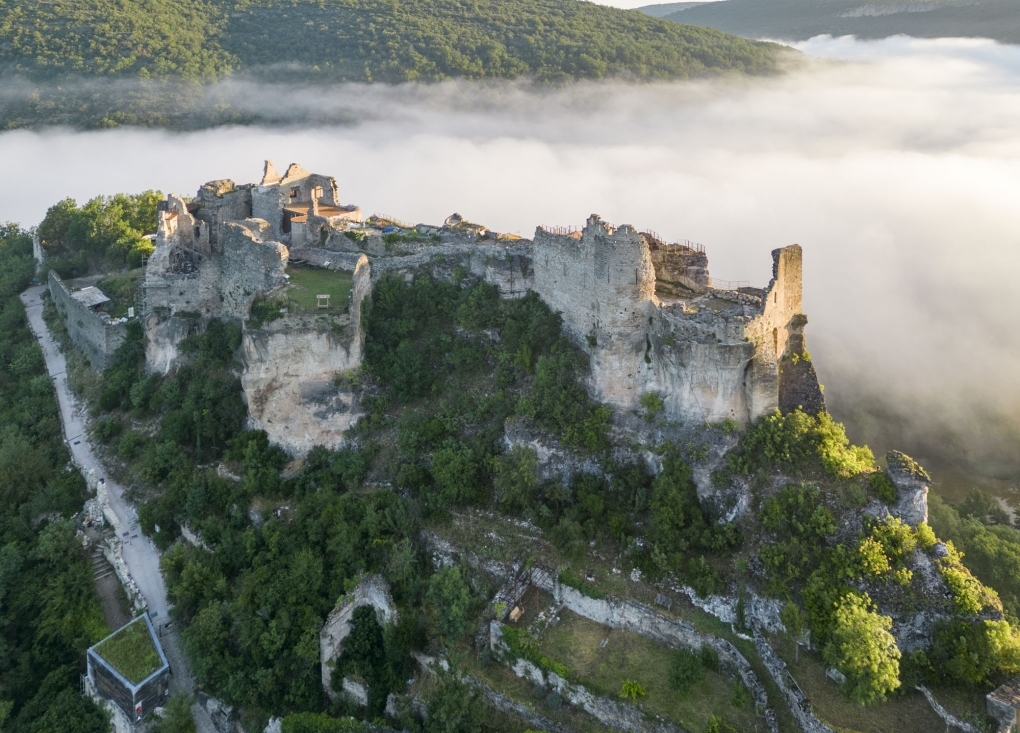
[
  {"x": 516, "y": 478},
  {"x": 862, "y": 649},
  {"x": 796, "y": 623},
  {"x": 176, "y": 717},
  {"x": 450, "y": 599},
  {"x": 453, "y": 707}
]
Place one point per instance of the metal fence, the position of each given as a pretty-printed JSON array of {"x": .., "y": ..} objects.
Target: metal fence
[{"x": 727, "y": 284}]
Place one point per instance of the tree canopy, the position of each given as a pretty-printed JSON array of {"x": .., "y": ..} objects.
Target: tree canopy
[{"x": 170, "y": 52}]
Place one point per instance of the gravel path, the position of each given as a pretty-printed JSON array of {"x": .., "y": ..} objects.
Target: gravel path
[{"x": 140, "y": 554}]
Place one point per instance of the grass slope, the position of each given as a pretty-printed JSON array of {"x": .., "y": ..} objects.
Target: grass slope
[{"x": 798, "y": 20}]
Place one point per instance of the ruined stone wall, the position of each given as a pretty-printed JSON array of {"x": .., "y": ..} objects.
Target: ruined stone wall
[
  {"x": 252, "y": 264},
  {"x": 603, "y": 283},
  {"x": 371, "y": 590},
  {"x": 679, "y": 271},
  {"x": 92, "y": 332},
  {"x": 181, "y": 274},
  {"x": 267, "y": 203},
  {"x": 771, "y": 332},
  {"x": 289, "y": 368},
  {"x": 219, "y": 203},
  {"x": 509, "y": 267}
]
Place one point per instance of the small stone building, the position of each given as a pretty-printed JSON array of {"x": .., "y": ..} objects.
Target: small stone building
[
  {"x": 89, "y": 326},
  {"x": 1003, "y": 703},
  {"x": 129, "y": 669}
]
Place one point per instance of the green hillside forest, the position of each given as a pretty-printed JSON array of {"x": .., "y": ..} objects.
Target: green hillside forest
[
  {"x": 108, "y": 62},
  {"x": 798, "y": 20}
]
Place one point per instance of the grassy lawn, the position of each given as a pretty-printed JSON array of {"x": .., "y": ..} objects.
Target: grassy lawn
[
  {"x": 604, "y": 658},
  {"x": 308, "y": 282},
  {"x": 907, "y": 713},
  {"x": 131, "y": 652}
]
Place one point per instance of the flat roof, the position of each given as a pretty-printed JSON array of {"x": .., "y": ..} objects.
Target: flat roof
[
  {"x": 90, "y": 296},
  {"x": 132, "y": 651},
  {"x": 325, "y": 210}
]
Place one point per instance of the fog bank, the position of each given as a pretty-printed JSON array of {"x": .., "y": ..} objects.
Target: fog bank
[{"x": 898, "y": 171}]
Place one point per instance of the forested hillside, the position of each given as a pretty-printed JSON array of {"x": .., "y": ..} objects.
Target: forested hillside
[
  {"x": 49, "y": 610},
  {"x": 798, "y": 20},
  {"x": 171, "y": 51}
]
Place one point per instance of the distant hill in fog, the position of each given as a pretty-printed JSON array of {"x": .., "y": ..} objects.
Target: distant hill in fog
[
  {"x": 59, "y": 61},
  {"x": 797, "y": 20}
]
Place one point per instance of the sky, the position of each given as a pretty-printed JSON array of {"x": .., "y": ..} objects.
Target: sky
[{"x": 894, "y": 163}]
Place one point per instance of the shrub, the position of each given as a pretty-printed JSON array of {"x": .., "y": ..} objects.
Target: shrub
[
  {"x": 863, "y": 649},
  {"x": 131, "y": 445},
  {"x": 741, "y": 695},
  {"x": 523, "y": 645},
  {"x": 717, "y": 725},
  {"x": 652, "y": 404},
  {"x": 925, "y": 535},
  {"x": 792, "y": 439},
  {"x": 516, "y": 478},
  {"x": 872, "y": 558},
  {"x": 882, "y": 486},
  {"x": 450, "y": 597},
  {"x": 709, "y": 658},
  {"x": 686, "y": 670},
  {"x": 969, "y": 594},
  {"x": 969, "y": 652},
  {"x": 570, "y": 579},
  {"x": 801, "y": 526},
  {"x": 632, "y": 691},
  {"x": 108, "y": 428}
]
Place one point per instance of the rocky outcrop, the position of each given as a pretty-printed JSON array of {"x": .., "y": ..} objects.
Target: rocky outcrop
[
  {"x": 163, "y": 339},
  {"x": 288, "y": 376},
  {"x": 289, "y": 370},
  {"x": 912, "y": 484},
  {"x": 798, "y": 382}
]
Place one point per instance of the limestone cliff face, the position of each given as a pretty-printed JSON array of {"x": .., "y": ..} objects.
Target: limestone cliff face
[
  {"x": 163, "y": 339},
  {"x": 289, "y": 370},
  {"x": 288, "y": 382}
]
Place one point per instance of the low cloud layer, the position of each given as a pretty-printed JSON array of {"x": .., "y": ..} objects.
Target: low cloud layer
[{"x": 897, "y": 169}]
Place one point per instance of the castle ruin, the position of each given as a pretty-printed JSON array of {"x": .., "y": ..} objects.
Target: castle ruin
[{"x": 646, "y": 311}]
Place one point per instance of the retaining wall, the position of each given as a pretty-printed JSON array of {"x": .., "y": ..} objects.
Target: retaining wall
[{"x": 672, "y": 632}]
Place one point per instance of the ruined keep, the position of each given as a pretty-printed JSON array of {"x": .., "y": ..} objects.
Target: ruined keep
[{"x": 647, "y": 312}]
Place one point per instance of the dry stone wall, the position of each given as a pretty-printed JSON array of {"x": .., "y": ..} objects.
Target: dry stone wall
[
  {"x": 672, "y": 632},
  {"x": 94, "y": 333}
]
